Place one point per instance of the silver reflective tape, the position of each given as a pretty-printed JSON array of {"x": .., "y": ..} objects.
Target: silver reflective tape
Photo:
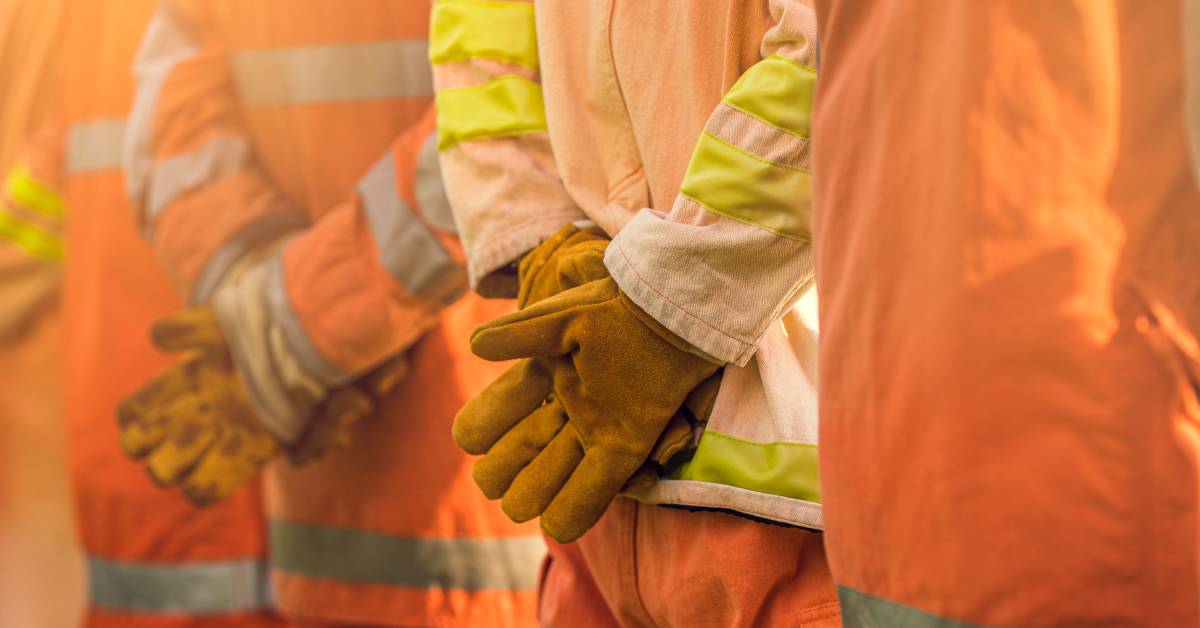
[
  {"x": 408, "y": 250},
  {"x": 351, "y": 555},
  {"x": 431, "y": 191},
  {"x": 263, "y": 229},
  {"x": 174, "y": 176},
  {"x": 298, "y": 342},
  {"x": 95, "y": 145},
  {"x": 194, "y": 588},
  {"x": 165, "y": 45},
  {"x": 339, "y": 72}
]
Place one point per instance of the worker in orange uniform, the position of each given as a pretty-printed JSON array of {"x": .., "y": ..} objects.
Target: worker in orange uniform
[
  {"x": 679, "y": 130},
  {"x": 282, "y": 160},
  {"x": 152, "y": 559},
  {"x": 1010, "y": 305},
  {"x": 41, "y": 576}
]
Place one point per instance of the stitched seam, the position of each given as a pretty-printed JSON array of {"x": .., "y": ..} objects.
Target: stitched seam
[
  {"x": 795, "y": 134},
  {"x": 756, "y": 443},
  {"x": 638, "y": 276},
  {"x": 744, "y": 221}
]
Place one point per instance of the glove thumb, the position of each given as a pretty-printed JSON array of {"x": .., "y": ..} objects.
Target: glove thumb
[{"x": 193, "y": 329}]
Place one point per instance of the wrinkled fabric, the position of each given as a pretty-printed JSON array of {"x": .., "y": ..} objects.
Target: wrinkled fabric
[
  {"x": 645, "y": 565},
  {"x": 1009, "y": 304}
]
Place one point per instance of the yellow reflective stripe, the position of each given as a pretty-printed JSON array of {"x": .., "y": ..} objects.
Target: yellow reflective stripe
[
  {"x": 745, "y": 187},
  {"x": 778, "y": 91},
  {"x": 28, "y": 192},
  {"x": 784, "y": 469},
  {"x": 30, "y": 237},
  {"x": 502, "y": 31},
  {"x": 504, "y": 107}
]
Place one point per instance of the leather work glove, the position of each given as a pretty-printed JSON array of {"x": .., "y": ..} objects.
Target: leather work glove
[
  {"x": 571, "y": 257},
  {"x": 195, "y": 426},
  {"x": 567, "y": 427},
  {"x": 333, "y": 426}
]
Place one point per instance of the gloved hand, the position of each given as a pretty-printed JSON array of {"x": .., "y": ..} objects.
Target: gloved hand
[
  {"x": 571, "y": 257},
  {"x": 194, "y": 425},
  {"x": 568, "y": 426},
  {"x": 333, "y": 426}
]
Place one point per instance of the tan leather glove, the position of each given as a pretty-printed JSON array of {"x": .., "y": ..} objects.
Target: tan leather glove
[
  {"x": 193, "y": 425},
  {"x": 333, "y": 426},
  {"x": 569, "y": 425},
  {"x": 571, "y": 257}
]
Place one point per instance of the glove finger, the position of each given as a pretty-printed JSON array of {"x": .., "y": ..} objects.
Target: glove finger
[
  {"x": 676, "y": 437},
  {"x": 586, "y": 495},
  {"x": 495, "y": 472},
  {"x": 234, "y": 460},
  {"x": 583, "y": 266},
  {"x": 536, "y": 485},
  {"x": 136, "y": 440},
  {"x": 159, "y": 393},
  {"x": 179, "y": 452},
  {"x": 540, "y": 329},
  {"x": 513, "y": 396},
  {"x": 701, "y": 400},
  {"x": 384, "y": 379},
  {"x": 331, "y": 429},
  {"x": 534, "y": 262},
  {"x": 191, "y": 329}
]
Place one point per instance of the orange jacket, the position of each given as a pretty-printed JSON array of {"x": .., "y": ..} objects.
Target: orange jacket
[
  {"x": 30, "y": 34},
  {"x": 153, "y": 560},
  {"x": 1007, "y": 236},
  {"x": 270, "y": 117}
]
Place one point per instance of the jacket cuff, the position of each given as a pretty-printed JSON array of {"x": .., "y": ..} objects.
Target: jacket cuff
[
  {"x": 281, "y": 391},
  {"x": 715, "y": 282},
  {"x": 492, "y": 267}
]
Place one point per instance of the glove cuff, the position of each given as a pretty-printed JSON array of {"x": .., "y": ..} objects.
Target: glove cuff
[{"x": 282, "y": 394}]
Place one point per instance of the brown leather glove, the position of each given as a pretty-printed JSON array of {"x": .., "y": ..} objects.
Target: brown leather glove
[{"x": 564, "y": 430}]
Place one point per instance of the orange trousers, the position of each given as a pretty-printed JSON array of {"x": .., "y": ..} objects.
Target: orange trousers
[{"x": 645, "y": 565}]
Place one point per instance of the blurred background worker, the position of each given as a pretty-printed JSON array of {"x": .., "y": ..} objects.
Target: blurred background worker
[
  {"x": 681, "y": 131},
  {"x": 152, "y": 558},
  {"x": 282, "y": 161},
  {"x": 40, "y": 567},
  {"x": 1010, "y": 429}
]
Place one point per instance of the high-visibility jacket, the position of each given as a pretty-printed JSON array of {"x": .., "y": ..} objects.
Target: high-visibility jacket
[
  {"x": 255, "y": 119},
  {"x": 680, "y": 129},
  {"x": 1007, "y": 228},
  {"x": 29, "y": 45},
  {"x": 152, "y": 559}
]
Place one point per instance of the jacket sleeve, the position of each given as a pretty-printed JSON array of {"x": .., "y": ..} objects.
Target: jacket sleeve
[
  {"x": 191, "y": 173},
  {"x": 499, "y": 168},
  {"x": 358, "y": 287},
  {"x": 31, "y": 233},
  {"x": 735, "y": 249}
]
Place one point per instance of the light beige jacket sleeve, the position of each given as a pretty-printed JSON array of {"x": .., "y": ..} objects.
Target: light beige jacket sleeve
[
  {"x": 735, "y": 251},
  {"x": 497, "y": 162}
]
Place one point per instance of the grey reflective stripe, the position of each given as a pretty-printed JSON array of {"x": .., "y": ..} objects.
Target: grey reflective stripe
[
  {"x": 408, "y": 250},
  {"x": 174, "y": 176},
  {"x": 95, "y": 145},
  {"x": 861, "y": 610},
  {"x": 195, "y": 588},
  {"x": 420, "y": 563},
  {"x": 298, "y": 342},
  {"x": 265, "y": 228},
  {"x": 431, "y": 191},
  {"x": 339, "y": 72},
  {"x": 165, "y": 45}
]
